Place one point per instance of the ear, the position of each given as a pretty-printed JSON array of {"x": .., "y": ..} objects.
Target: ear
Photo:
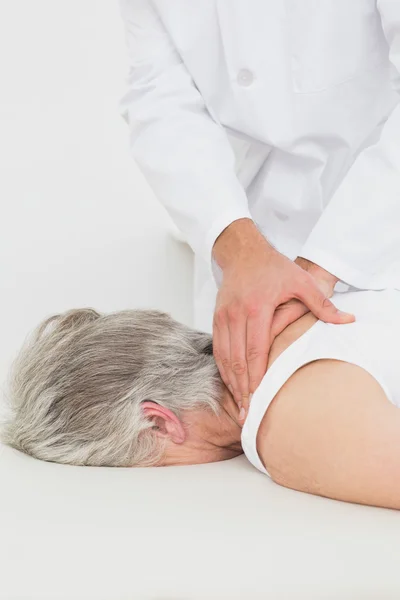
[{"x": 165, "y": 422}]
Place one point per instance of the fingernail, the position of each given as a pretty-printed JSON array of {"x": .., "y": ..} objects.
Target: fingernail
[
  {"x": 345, "y": 314},
  {"x": 242, "y": 414}
]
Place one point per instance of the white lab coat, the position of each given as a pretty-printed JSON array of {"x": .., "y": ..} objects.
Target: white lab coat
[{"x": 286, "y": 112}]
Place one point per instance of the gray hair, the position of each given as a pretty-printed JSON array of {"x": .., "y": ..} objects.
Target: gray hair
[{"x": 77, "y": 385}]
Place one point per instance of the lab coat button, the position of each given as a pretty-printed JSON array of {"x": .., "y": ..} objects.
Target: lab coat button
[{"x": 245, "y": 77}]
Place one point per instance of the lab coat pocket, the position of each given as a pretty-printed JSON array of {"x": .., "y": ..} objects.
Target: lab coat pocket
[{"x": 333, "y": 41}]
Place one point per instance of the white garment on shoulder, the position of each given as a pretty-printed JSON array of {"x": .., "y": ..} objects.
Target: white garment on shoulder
[{"x": 371, "y": 342}]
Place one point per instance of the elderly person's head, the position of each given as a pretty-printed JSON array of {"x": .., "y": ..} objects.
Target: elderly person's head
[{"x": 131, "y": 388}]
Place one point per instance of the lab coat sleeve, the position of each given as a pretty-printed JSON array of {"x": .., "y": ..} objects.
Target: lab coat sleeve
[
  {"x": 357, "y": 237},
  {"x": 183, "y": 153}
]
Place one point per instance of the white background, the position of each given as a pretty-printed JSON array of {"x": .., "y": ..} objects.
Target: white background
[{"x": 78, "y": 224}]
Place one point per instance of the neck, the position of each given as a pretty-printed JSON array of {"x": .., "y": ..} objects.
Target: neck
[
  {"x": 210, "y": 437},
  {"x": 225, "y": 434},
  {"x": 230, "y": 417}
]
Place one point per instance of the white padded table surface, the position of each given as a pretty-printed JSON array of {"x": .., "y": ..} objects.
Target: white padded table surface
[{"x": 214, "y": 531}]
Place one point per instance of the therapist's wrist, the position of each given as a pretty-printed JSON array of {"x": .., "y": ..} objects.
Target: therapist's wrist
[{"x": 241, "y": 237}]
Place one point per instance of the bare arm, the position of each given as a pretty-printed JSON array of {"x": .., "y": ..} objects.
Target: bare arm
[{"x": 332, "y": 432}]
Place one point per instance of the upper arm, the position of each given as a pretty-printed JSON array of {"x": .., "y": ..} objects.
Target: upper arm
[
  {"x": 158, "y": 81},
  {"x": 180, "y": 148},
  {"x": 331, "y": 431},
  {"x": 150, "y": 49}
]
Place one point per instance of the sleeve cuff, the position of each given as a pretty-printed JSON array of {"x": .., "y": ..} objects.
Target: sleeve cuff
[{"x": 343, "y": 271}]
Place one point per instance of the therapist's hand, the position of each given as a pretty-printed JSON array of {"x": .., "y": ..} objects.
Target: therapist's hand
[
  {"x": 256, "y": 280},
  {"x": 294, "y": 309}
]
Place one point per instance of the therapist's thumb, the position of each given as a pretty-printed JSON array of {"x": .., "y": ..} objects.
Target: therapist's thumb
[{"x": 322, "y": 307}]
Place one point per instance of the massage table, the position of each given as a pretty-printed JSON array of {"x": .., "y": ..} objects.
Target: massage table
[{"x": 215, "y": 531}]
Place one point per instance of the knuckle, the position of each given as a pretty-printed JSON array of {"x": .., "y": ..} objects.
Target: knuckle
[
  {"x": 239, "y": 367},
  {"x": 321, "y": 301},
  {"x": 220, "y": 317},
  {"x": 226, "y": 363},
  {"x": 255, "y": 352},
  {"x": 234, "y": 313},
  {"x": 245, "y": 394},
  {"x": 253, "y": 301},
  {"x": 326, "y": 303},
  {"x": 217, "y": 355},
  {"x": 253, "y": 308}
]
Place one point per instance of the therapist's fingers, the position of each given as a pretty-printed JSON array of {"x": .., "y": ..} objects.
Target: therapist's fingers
[
  {"x": 258, "y": 342},
  {"x": 311, "y": 295},
  {"x": 237, "y": 331},
  {"x": 222, "y": 352},
  {"x": 222, "y": 348},
  {"x": 285, "y": 314}
]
